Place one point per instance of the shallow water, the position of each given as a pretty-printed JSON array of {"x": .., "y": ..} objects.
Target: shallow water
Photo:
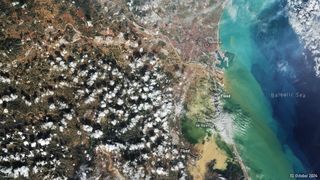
[{"x": 268, "y": 55}]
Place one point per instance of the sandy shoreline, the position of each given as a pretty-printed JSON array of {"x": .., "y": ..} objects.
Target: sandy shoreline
[{"x": 235, "y": 151}]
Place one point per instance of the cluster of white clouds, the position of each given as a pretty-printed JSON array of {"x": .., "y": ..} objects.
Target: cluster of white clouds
[{"x": 304, "y": 17}]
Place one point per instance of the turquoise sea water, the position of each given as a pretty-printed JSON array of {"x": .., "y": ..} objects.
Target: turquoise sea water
[{"x": 265, "y": 141}]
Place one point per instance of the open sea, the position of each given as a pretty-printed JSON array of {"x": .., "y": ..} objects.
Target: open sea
[{"x": 273, "y": 82}]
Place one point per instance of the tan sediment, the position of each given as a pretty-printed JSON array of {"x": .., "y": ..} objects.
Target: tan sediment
[
  {"x": 208, "y": 151},
  {"x": 234, "y": 148}
]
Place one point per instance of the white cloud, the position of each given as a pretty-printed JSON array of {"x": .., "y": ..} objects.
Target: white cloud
[{"x": 304, "y": 18}]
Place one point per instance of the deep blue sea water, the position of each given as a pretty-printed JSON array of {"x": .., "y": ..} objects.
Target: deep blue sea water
[{"x": 288, "y": 80}]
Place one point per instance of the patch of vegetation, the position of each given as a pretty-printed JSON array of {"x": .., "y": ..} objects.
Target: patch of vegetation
[
  {"x": 199, "y": 107},
  {"x": 10, "y": 45},
  {"x": 200, "y": 103},
  {"x": 161, "y": 43},
  {"x": 232, "y": 172}
]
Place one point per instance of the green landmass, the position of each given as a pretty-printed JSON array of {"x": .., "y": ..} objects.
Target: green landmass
[{"x": 199, "y": 107}]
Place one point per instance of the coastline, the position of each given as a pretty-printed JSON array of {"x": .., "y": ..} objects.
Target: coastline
[
  {"x": 258, "y": 144},
  {"x": 235, "y": 151},
  {"x": 219, "y": 23}
]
